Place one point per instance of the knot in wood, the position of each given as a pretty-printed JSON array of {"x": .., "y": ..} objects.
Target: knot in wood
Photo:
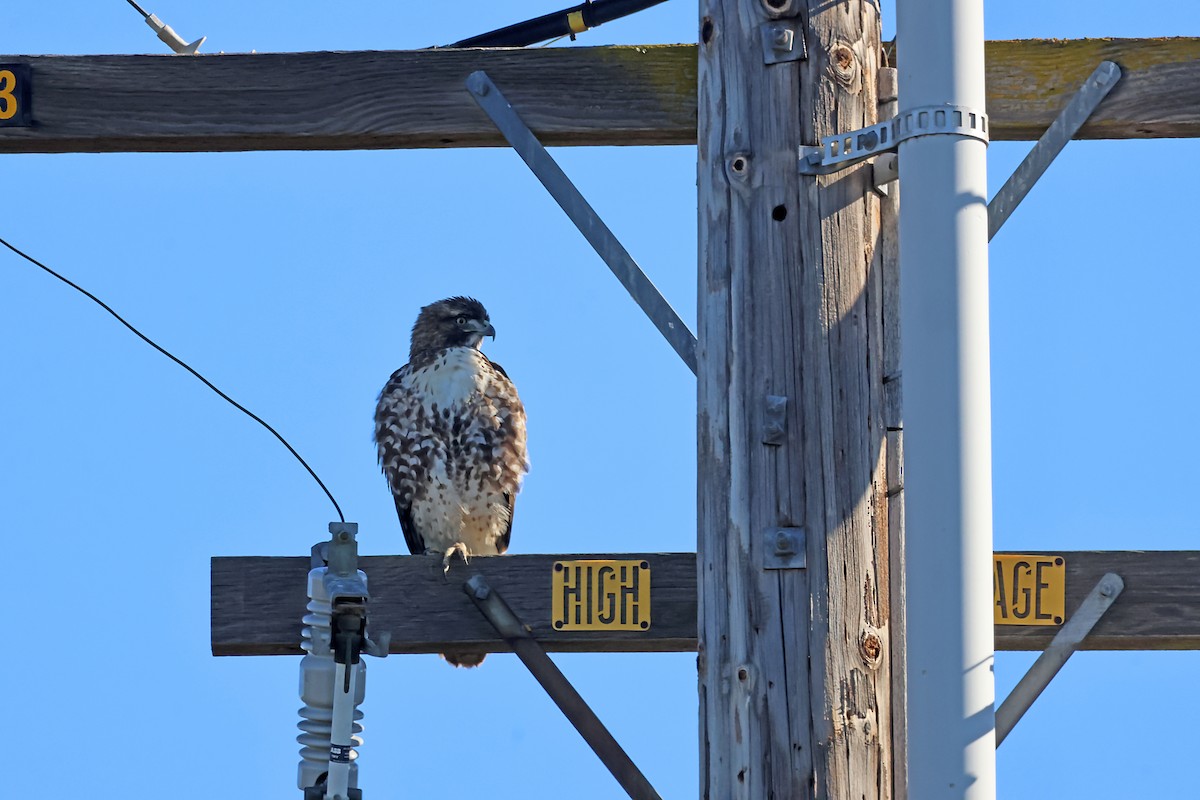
[
  {"x": 845, "y": 68},
  {"x": 870, "y": 648}
]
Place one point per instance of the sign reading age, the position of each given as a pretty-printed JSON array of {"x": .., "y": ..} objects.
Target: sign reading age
[
  {"x": 600, "y": 595},
  {"x": 1029, "y": 590},
  {"x": 14, "y": 95}
]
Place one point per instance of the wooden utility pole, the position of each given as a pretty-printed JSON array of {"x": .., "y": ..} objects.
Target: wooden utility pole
[{"x": 795, "y": 662}]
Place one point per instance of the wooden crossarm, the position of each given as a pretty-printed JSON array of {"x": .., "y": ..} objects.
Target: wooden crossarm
[{"x": 257, "y": 603}]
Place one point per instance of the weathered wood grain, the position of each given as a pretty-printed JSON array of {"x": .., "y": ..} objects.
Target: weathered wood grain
[
  {"x": 353, "y": 100},
  {"x": 257, "y": 603},
  {"x": 795, "y": 670},
  {"x": 568, "y": 96},
  {"x": 1029, "y": 81}
]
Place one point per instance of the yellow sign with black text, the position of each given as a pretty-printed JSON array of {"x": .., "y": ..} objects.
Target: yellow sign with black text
[
  {"x": 600, "y": 596},
  {"x": 15, "y": 95},
  {"x": 1029, "y": 590}
]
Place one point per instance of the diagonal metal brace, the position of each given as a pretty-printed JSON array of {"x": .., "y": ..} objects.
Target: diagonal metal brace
[
  {"x": 1053, "y": 658},
  {"x": 564, "y": 695},
  {"x": 1061, "y": 131},
  {"x": 606, "y": 245}
]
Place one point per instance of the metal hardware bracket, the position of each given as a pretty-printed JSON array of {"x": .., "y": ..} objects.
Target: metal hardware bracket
[
  {"x": 1062, "y": 130},
  {"x": 885, "y": 170},
  {"x": 167, "y": 34},
  {"x": 774, "y": 420},
  {"x": 847, "y": 149},
  {"x": 785, "y": 548},
  {"x": 783, "y": 40},
  {"x": 574, "y": 707},
  {"x": 1052, "y": 659},
  {"x": 606, "y": 245}
]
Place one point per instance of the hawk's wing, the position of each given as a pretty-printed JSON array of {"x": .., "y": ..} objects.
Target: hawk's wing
[
  {"x": 393, "y": 409},
  {"x": 509, "y": 497},
  {"x": 414, "y": 540}
]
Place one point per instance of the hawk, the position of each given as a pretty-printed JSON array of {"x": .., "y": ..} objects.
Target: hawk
[{"x": 450, "y": 432}]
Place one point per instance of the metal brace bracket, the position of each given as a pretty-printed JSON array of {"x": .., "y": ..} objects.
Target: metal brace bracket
[
  {"x": 1052, "y": 659},
  {"x": 885, "y": 170},
  {"x": 783, "y": 41},
  {"x": 844, "y": 150},
  {"x": 488, "y": 96},
  {"x": 1068, "y": 122},
  {"x": 574, "y": 707}
]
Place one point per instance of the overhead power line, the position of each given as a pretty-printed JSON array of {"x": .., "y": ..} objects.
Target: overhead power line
[
  {"x": 181, "y": 363},
  {"x": 567, "y": 22}
]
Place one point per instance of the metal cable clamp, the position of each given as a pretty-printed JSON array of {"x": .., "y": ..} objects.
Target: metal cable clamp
[{"x": 843, "y": 150}]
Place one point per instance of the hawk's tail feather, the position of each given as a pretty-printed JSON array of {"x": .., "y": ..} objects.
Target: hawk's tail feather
[{"x": 464, "y": 659}]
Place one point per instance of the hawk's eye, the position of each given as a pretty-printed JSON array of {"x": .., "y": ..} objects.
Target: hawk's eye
[{"x": 461, "y": 321}]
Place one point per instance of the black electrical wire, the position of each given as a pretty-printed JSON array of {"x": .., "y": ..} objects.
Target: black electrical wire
[
  {"x": 140, "y": 10},
  {"x": 557, "y": 24},
  {"x": 200, "y": 377}
]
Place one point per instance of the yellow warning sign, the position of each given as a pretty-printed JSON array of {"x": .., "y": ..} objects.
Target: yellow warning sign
[
  {"x": 600, "y": 596},
  {"x": 1029, "y": 590}
]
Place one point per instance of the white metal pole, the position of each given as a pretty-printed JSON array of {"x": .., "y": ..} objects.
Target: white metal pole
[{"x": 947, "y": 416}]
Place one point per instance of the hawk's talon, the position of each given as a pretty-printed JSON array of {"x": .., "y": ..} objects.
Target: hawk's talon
[{"x": 457, "y": 547}]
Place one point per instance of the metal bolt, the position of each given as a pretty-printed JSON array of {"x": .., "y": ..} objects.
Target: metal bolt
[
  {"x": 477, "y": 587},
  {"x": 781, "y": 38},
  {"x": 783, "y": 544}
]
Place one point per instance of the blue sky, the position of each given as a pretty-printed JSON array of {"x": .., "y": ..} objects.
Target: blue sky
[{"x": 291, "y": 280}]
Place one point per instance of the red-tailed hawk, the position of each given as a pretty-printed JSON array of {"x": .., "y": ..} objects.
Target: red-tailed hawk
[{"x": 450, "y": 430}]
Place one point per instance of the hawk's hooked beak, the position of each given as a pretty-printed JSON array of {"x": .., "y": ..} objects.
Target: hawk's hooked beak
[{"x": 482, "y": 328}]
